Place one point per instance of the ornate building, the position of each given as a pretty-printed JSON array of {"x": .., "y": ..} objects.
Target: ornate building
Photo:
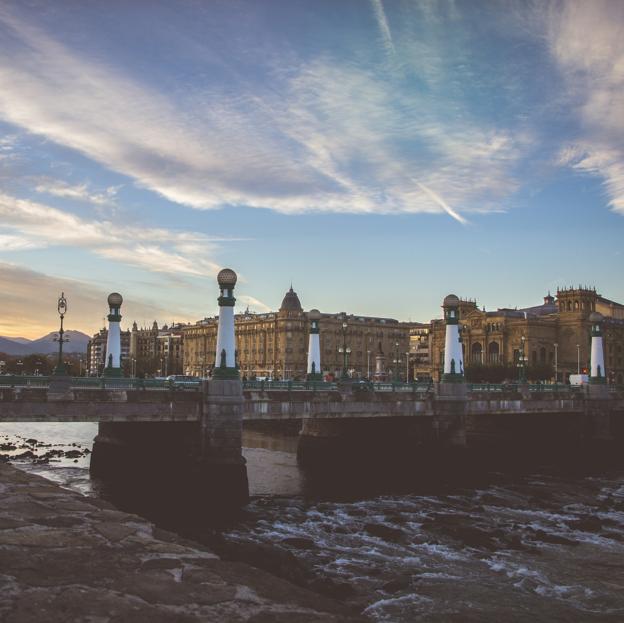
[
  {"x": 155, "y": 351},
  {"x": 275, "y": 344},
  {"x": 555, "y": 334}
]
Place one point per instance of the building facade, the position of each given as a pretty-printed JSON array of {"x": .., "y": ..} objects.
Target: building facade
[
  {"x": 552, "y": 336},
  {"x": 275, "y": 344},
  {"x": 156, "y": 351}
]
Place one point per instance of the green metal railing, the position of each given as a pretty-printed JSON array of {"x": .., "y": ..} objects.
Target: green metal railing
[
  {"x": 289, "y": 385},
  {"x": 18, "y": 380},
  {"x": 328, "y": 386},
  {"x": 532, "y": 387},
  {"x": 89, "y": 382}
]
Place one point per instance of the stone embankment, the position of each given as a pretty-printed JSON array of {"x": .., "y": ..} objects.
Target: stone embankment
[{"x": 65, "y": 558}]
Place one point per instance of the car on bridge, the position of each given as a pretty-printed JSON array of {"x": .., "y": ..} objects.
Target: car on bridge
[{"x": 183, "y": 381}]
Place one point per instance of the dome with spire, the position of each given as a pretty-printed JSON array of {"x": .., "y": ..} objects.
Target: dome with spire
[{"x": 291, "y": 302}]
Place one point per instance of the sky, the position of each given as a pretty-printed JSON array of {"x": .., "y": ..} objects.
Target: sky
[{"x": 376, "y": 154}]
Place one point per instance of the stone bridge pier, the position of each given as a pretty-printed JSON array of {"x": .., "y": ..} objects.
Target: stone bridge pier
[
  {"x": 381, "y": 430},
  {"x": 200, "y": 460}
]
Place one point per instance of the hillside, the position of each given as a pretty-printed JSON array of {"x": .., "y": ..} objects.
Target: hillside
[{"x": 44, "y": 345}]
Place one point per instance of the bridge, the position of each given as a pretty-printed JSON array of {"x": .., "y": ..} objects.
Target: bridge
[{"x": 194, "y": 432}]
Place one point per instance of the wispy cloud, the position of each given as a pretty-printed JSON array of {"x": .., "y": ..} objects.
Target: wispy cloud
[
  {"x": 587, "y": 41},
  {"x": 152, "y": 249},
  {"x": 253, "y": 304},
  {"x": 80, "y": 192},
  {"x": 323, "y": 136}
]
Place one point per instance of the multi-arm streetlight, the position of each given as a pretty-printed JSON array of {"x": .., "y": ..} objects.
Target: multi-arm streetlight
[
  {"x": 60, "y": 369},
  {"x": 344, "y": 350},
  {"x": 556, "y": 363},
  {"x": 522, "y": 361}
]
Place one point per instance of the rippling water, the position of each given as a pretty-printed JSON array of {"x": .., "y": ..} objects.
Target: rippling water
[{"x": 538, "y": 547}]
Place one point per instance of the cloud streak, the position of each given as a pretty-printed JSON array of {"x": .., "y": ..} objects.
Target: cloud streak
[{"x": 439, "y": 201}]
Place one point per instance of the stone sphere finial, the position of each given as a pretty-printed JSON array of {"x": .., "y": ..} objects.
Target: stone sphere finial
[
  {"x": 314, "y": 314},
  {"x": 115, "y": 299},
  {"x": 596, "y": 317},
  {"x": 226, "y": 278},
  {"x": 450, "y": 300}
]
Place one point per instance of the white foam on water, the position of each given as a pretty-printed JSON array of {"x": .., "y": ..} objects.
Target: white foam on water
[
  {"x": 430, "y": 575},
  {"x": 435, "y": 549},
  {"x": 564, "y": 592},
  {"x": 396, "y": 608}
]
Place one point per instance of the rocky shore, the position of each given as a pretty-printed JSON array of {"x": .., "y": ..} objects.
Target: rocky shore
[{"x": 65, "y": 557}]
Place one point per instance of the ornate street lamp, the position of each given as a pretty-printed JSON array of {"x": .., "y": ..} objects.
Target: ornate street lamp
[
  {"x": 60, "y": 369},
  {"x": 556, "y": 363},
  {"x": 396, "y": 362},
  {"x": 522, "y": 362},
  {"x": 344, "y": 350}
]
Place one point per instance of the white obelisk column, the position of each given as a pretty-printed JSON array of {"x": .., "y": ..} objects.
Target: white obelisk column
[
  {"x": 225, "y": 356},
  {"x": 314, "y": 346},
  {"x": 453, "y": 355},
  {"x": 597, "y": 371},
  {"x": 112, "y": 363}
]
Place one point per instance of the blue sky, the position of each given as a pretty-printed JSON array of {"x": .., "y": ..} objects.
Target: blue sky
[{"x": 377, "y": 154}]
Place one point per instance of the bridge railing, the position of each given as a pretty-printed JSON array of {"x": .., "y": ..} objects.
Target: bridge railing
[
  {"x": 289, "y": 385},
  {"x": 91, "y": 382},
  {"x": 18, "y": 380},
  {"x": 532, "y": 387}
]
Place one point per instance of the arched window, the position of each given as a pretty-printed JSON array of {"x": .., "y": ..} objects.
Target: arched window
[
  {"x": 493, "y": 352},
  {"x": 569, "y": 306},
  {"x": 542, "y": 355},
  {"x": 477, "y": 353},
  {"x": 576, "y": 305}
]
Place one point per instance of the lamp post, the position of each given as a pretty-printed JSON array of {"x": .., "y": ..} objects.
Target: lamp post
[
  {"x": 60, "y": 369},
  {"x": 556, "y": 363},
  {"x": 522, "y": 376},
  {"x": 407, "y": 378},
  {"x": 396, "y": 362},
  {"x": 368, "y": 354},
  {"x": 344, "y": 350}
]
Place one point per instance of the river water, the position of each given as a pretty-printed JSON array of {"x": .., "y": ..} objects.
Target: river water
[{"x": 532, "y": 547}]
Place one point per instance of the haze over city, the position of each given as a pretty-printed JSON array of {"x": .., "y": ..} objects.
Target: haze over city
[{"x": 377, "y": 155}]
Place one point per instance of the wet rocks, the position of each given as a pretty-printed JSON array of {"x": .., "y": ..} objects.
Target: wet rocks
[
  {"x": 66, "y": 557},
  {"x": 299, "y": 543},
  {"x": 384, "y": 532},
  {"x": 396, "y": 585},
  {"x": 458, "y": 528},
  {"x": 554, "y": 539}
]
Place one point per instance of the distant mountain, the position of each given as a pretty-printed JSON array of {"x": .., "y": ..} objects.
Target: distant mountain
[
  {"x": 10, "y": 347},
  {"x": 20, "y": 340},
  {"x": 44, "y": 345}
]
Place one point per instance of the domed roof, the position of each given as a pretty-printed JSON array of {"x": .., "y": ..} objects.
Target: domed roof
[
  {"x": 596, "y": 317},
  {"x": 115, "y": 299},
  {"x": 226, "y": 278},
  {"x": 450, "y": 301},
  {"x": 314, "y": 314},
  {"x": 291, "y": 302}
]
